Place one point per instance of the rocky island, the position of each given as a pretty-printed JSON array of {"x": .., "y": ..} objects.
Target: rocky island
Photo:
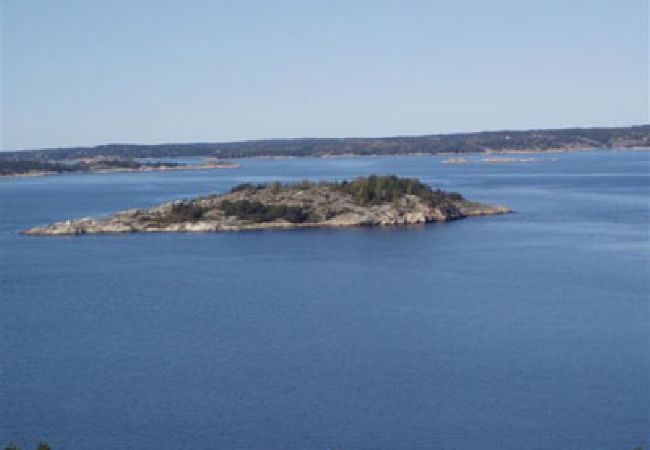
[{"x": 365, "y": 201}]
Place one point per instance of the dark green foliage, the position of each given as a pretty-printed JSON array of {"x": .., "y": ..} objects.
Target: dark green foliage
[
  {"x": 125, "y": 164},
  {"x": 19, "y": 167},
  {"x": 304, "y": 184},
  {"x": 11, "y": 167},
  {"x": 378, "y": 190},
  {"x": 438, "y": 197},
  {"x": 159, "y": 164},
  {"x": 112, "y": 164},
  {"x": 366, "y": 191},
  {"x": 258, "y": 212},
  {"x": 247, "y": 187},
  {"x": 184, "y": 212}
]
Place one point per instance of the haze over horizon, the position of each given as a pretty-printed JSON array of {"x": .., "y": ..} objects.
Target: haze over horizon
[{"x": 89, "y": 73}]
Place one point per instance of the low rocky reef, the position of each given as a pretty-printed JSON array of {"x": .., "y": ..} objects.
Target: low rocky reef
[
  {"x": 365, "y": 201},
  {"x": 101, "y": 164}
]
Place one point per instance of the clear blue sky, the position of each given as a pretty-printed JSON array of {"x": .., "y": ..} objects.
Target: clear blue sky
[{"x": 99, "y": 71}]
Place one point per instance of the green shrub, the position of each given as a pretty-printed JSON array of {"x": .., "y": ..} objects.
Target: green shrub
[
  {"x": 19, "y": 167},
  {"x": 378, "y": 190},
  {"x": 258, "y": 212},
  {"x": 366, "y": 191},
  {"x": 183, "y": 212},
  {"x": 247, "y": 187}
]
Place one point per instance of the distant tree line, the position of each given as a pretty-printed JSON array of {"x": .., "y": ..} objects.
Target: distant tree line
[
  {"x": 16, "y": 167},
  {"x": 124, "y": 164},
  {"x": 431, "y": 144},
  {"x": 21, "y": 167}
]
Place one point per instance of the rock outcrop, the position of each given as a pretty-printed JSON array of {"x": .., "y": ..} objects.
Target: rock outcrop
[{"x": 372, "y": 201}]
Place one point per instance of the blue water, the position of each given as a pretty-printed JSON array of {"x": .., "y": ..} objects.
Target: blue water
[{"x": 525, "y": 331}]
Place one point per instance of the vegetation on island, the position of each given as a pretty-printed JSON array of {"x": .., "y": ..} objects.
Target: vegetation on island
[
  {"x": 22, "y": 167},
  {"x": 373, "y": 190},
  {"x": 375, "y": 200},
  {"x": 366, "y": 191},
  {"x": 377, "y": 190},
  {"x": 251, "y": 211},
  {"x": 257, "y": 212},
  {"x": 569, "y": 138},
  {"x": 183, "y": 212}
]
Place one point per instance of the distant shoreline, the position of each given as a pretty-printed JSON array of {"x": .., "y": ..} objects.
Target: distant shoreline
[
  {"x": 430, "y": 155},
  {"x": 455, "y": 159},
  {"x": 531, "y": 140},
  {"x": 45, "y": 173}
]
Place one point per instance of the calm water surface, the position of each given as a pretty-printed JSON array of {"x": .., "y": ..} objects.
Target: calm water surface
[{"x": 526, "y": 331}]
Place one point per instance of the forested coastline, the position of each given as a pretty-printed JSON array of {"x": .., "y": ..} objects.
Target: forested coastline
[{"x": 530, "y": 140}]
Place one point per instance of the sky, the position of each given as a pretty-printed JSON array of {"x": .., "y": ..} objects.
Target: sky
[{"x": 78, "y": 72}]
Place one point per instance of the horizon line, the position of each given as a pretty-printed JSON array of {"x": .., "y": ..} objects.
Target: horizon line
[{"x": 235, "y": 141}]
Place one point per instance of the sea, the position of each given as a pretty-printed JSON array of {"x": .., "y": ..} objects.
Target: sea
[{"x": 523, "y": 331}]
